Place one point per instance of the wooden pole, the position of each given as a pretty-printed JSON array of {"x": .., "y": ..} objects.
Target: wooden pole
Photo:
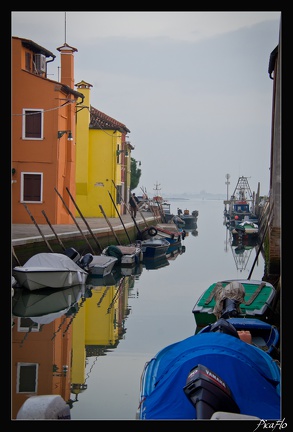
[
  {"x": 261, "y": 243},
  {"x": 15, "y": 256},
  {"x": 73, "y": 218},
  {"x": 58, "y": 239},
  {"x": 39, "y": 229},
  {"x": 88, "y": 227},
  {"x": 119, "y": 216},
  {"x": 108, "y": 222}
]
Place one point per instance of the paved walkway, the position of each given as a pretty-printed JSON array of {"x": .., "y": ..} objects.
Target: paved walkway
[{"x": 29, "y": 233}]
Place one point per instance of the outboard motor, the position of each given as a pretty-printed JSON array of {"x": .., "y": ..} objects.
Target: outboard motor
[
  {"x": 208, "y": 393},
  {"x": 72, "y": 254},
  {"x": 230, "y": 308},
  {"x": 85, "y": 260},
  {"x": 223, "y": 326}
]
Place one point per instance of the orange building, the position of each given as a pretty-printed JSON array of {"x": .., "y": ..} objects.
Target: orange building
[{"x": 43, "y": 134}]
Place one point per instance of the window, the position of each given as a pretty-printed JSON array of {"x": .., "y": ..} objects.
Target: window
[
  {"x": 26, "y": 381},
  {"x": 119, "y": 194},
  {"x": 28, "y": 61},
  {"x": 26, "y": 324},
  {"x": 32, "y": 126},
  {"x": 31, "y": 187}
]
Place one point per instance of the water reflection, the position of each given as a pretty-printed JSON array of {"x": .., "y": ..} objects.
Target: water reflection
[
  {"x": 241, "y": 251},
  {"x": 56, "y": 333}
]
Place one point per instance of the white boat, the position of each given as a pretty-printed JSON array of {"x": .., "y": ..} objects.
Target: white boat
[
  {"x": 49, "y": 270},
  {"x": 99, "y": 265}
]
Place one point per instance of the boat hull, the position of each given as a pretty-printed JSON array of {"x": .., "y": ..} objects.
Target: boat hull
[
  {"x": 154, "y": 248},
  {"x": 102, "y": 265},
  {"x": 259, "y": 333},
  {"x": 49, "y": 270},
  {"x": 34, "y": 279}
]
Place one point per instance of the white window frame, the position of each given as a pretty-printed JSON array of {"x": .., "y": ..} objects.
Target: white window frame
[
  {"x": 21, "y": 328},
  {"x": 24, "y": 137},
  {"x": 22, "y": 187},
  {"x": 21, "y": 365}
]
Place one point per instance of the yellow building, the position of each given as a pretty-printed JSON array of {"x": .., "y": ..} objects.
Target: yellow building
[{"x": 102, "y": 160}]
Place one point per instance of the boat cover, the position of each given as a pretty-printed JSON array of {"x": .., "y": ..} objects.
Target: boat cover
[
  {"x": 252, "y": 375},
  {"x": 53, "y": 261}
]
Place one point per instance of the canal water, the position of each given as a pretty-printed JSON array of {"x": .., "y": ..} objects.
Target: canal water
[{"x": 150, "y": 310}]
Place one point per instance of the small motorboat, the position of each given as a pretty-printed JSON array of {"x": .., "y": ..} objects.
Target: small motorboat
[
  {"x": 259, "y": 333},
  {"x": 169, "y": 232},
  {"x": 49, "y": 270},
  {"x": 98, "y": 265},
  {"x": 154, "y": 247},
  {"x": 245, "y": 229},
  {"x": 211, "y": 375},
  {"x": 255, "y": 300},
  {"x": 126, "y": 255}
]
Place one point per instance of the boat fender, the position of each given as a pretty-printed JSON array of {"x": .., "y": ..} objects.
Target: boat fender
[
  {"x": 245, "y": 336},
  {"x": 183, "y": 234},
  {"x": 152, "y": 231}
]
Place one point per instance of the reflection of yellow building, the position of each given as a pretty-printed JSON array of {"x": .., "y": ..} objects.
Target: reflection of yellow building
[
  {"x": 98, "y": 326},
  {"x": 95, "y": 325}
]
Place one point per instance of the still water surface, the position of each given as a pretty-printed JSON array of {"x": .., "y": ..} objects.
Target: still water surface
[{"x": 159, "y": 312}]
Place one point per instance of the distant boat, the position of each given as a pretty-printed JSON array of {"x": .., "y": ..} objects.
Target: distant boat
[
  {"x": 240, "y": 205},
  {"x": 49, "y": 269},
  {"x": 245, "y": 229}
]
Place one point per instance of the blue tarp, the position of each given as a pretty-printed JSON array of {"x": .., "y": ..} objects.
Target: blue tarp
[{"x": 252, "y": 375}]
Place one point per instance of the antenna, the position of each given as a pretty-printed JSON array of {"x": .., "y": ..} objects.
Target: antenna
[{"x": 65, "y": 27}]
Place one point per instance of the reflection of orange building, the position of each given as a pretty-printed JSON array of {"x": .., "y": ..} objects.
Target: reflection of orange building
[{"x": 41, "y": 359}]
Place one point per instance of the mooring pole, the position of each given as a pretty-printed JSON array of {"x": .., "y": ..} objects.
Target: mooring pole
[
  {"x": 119, "y": 216},
  {"x": 108, "y": 222},
  {"x": 39, "y": 229},
  {"x": 73, "y": 218},
  {"x": 88, "y": 227}
]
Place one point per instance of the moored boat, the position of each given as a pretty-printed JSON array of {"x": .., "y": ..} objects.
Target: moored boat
[
  {"x": 255, "y": 300},
  {"x": 126, "y": 255},
  {"x": 254, "y": 331},
  {"x": 170, "y": 232},
  {"x": 99, "y": 265},
  {"x": 154, "y": 247},
  {"x": 212, "y": 375},
  {"x": 49, "y": 269}
]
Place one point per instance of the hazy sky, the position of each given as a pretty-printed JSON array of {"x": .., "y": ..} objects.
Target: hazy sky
[{"x": 192, "y": 87}]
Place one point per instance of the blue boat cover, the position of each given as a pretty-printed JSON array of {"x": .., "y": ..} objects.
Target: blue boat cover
[{"x": 252, "y": 375}]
